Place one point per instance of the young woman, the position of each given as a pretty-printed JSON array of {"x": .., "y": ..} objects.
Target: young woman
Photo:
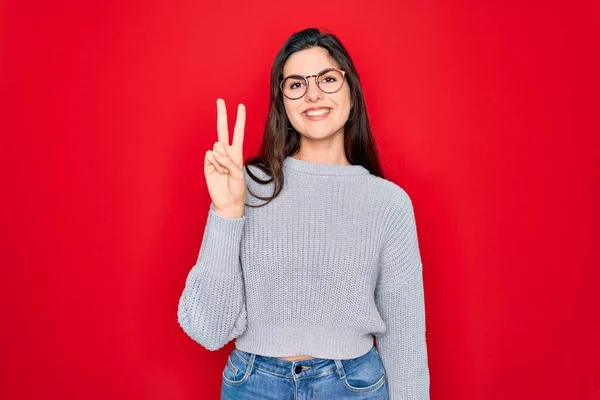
[{"x": 303, "y": 274}]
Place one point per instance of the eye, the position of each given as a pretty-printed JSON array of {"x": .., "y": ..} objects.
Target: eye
[
  {"x": 293, "y": 83},
  {"x": 328, "y": 78}
]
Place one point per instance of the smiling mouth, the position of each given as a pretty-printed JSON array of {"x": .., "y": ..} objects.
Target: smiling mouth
[{"x": 317, "y": 113}]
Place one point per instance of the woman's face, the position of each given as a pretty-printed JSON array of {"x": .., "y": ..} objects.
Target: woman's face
[{"x": 336, "y": 105}]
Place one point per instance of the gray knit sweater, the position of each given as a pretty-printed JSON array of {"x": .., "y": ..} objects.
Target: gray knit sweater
[{"x": 333, "y": 260}]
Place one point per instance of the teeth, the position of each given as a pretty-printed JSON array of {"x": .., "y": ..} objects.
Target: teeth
[{"x": 315, "y": 113}]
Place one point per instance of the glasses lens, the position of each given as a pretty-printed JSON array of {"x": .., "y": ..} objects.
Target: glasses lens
[
  {"x": 293, "y": 87},
  {"x": 330, "y": 81}
]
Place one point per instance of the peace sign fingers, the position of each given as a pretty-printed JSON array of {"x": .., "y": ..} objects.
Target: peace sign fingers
[{"x": 235, "y": 150}]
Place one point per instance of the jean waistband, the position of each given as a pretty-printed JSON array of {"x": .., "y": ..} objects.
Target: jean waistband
[{"x": 310, "y": 368}]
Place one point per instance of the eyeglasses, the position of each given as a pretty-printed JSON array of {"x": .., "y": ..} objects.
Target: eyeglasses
[{"x": 329, "y": 81}]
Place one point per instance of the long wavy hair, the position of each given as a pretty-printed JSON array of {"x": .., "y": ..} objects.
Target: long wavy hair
[{"x": 280, "y": 139}]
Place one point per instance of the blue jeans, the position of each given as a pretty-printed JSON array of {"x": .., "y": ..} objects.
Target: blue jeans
[{"x": 251, "y": 376}]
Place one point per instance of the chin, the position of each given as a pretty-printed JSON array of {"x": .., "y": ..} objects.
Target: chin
[{"x": 318, "y": 134}]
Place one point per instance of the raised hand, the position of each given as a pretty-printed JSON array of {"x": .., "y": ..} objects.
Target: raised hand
[{"x": 223, "y": 166}]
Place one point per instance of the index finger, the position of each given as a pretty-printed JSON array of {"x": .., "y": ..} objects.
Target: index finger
[{"x": 222, "y": 132}]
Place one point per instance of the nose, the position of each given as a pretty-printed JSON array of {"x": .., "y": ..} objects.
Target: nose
[{"x": 313, "y": 93}]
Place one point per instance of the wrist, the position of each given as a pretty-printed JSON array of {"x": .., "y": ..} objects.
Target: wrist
[{"x": 231, "y": 213}]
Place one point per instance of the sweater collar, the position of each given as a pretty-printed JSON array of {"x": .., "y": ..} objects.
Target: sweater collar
[{"x": 323, "y": 169}]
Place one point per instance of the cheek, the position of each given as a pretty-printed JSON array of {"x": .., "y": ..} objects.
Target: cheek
[
  {"x": 290, "y": 110},
  {"x": 342, "y": 98},
  {"x": 343, "y": 105}
]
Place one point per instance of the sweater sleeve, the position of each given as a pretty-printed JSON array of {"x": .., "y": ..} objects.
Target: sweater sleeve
[
  {"x": 399, "y": 296},
  {"x": 212, "y": 307}
]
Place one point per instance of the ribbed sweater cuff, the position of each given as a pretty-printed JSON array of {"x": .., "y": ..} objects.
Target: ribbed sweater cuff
[{"x": 220, "y": 250}]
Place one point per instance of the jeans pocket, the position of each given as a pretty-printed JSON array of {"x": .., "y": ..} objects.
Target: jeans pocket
[
  {"x": 236, "y": 369},
  {"x": 365, "y": 373}
]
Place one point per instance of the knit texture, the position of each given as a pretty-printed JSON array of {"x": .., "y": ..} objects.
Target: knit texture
[{"x": 333, "y": 260}]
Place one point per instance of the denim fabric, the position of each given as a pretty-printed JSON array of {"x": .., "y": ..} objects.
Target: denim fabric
[{"x": 251, "y": 376}]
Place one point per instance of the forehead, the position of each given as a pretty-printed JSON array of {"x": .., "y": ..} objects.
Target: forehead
[{"x": 308, "y": 62}]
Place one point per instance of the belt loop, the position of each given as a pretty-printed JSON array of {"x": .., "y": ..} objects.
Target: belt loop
[
  {"x": 340, "y": 369},
  {"x": 250, "y": 367}
]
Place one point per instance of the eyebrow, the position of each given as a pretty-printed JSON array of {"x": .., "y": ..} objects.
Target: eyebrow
[{"x": 307, "y": 76}]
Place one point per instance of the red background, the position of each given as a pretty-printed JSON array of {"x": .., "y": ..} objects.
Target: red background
[{"x": 486, "y": 114}]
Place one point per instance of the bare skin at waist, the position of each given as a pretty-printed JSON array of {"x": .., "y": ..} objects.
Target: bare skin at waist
[{"x": 296, "y": 358}]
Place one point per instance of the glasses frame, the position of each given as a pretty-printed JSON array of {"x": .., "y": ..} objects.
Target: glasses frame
[{"x": 343, "y": 72}]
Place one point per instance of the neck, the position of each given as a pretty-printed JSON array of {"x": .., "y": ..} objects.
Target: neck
[{"x": 323, "y": 151}]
